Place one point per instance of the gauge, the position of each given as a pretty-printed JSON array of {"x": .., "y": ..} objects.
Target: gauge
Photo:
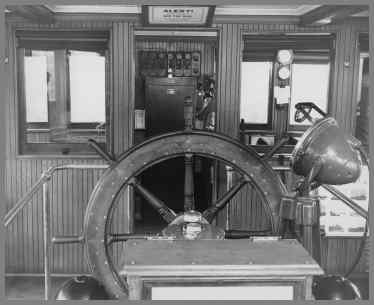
[{"x": 284, "y": 73}]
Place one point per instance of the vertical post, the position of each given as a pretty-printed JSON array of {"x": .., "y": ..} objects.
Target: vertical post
[
  {"x": 307, "y": 217},
  {"x": 189, "y": 203},
  {"x": 229, "y": 173},
  {"x": 188, "y": 160},
  {"x": 135, "y": 287},
  {"x": 46, "y": 240}
]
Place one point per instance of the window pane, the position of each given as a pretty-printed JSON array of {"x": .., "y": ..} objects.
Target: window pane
[
  {"x": 36, "y": 89},
  {"x": 255, "y": 92},
  {"x": 310, "y": 83},
  {"x": 87, "y": 87},
  {"x": 337, "y": 219}
]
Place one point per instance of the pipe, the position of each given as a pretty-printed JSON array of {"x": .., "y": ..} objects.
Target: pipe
[
  {"x": 67, "y": 239},
  {"x": 46, "y": 175},
  {"x": 24, "y": 200},
  {"x": 349, "y": 202},
  {"x": 46, "y": 241}
]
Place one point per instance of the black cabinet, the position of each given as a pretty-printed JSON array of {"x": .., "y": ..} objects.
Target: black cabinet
[{"x": 165, "y": 103}]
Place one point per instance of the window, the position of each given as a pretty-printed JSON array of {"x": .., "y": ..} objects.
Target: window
[
  {"x": 62, "y": 83},
  {"x": 337, "y": 219},
  {"x": 255, "y": 91},
  {"x": 310, "y": 83},
  {"x": 309, "y": 80}
]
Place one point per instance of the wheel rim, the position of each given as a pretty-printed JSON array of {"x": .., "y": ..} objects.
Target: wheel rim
[{"x": 216, "y": 146}]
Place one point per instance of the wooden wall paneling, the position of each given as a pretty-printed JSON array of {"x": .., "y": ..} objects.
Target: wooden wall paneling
[
  {"x": 345, "y": 73},
  {"x": 123, "y": 104},
  {"x": 355, "y": 58},
  {"x": 338, "y": 254},
  {"x": 70, "y": 190}
]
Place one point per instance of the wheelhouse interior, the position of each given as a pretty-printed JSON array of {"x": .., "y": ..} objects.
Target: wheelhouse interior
[{"x": 121, "y": 75}]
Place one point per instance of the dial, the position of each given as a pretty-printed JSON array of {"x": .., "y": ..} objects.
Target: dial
[{"x": 284, "y": 73}]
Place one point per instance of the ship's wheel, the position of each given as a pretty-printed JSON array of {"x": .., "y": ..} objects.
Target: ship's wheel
[{"x": 123, "y": 173}]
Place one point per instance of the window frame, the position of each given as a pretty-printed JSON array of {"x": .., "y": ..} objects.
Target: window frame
[
  {"x": 269, "y": 125},
  {"x": 265, "y": 46},
  {"x": 311, "y": 59},
  {"x": 48, "y": 39}
]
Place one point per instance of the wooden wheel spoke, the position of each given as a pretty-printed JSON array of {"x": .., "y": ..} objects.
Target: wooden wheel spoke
[
  {"x": 212, "y": 211},
  {"x": 167, "y": 214},
  {"x": 189, "y": 200}
]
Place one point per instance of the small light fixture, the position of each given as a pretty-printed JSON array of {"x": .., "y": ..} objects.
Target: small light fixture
[{"x": 285, "y": 57}]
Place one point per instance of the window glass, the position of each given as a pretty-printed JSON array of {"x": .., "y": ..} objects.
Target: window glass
[
  {"x": 255, "y": 81},
  {"x": 62, "y": 96},
  {"x": 310, "y": 83},
  {"x": 36, "y": 87},
  {"x": 337, "y": 219},
  {"x": 87, "y": 87}
]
